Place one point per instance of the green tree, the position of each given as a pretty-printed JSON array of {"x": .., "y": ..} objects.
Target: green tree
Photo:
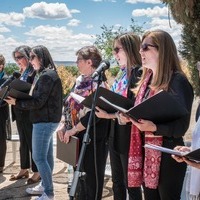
[
  {"x": 10, "y": 68},
  {"x": 104, "y": 41}
]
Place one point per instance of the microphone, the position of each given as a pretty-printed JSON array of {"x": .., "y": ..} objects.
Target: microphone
[
  {"x": 105, "y": 64},
  {"x": 10, "y": 79}
]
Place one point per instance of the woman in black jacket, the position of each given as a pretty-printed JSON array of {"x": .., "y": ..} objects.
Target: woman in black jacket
[
  {"x": 45, "y": 114},
  {"x": 22, "y": 118},
  {"x": 4, "y": 117},
  {"x": 126, "y": 51}
]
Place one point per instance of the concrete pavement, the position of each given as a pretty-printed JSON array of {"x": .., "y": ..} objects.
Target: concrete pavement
[{"x": 16, "y": 189}]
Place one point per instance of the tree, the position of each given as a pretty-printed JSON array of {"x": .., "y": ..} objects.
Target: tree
[
  {"x": 187, "y": 13},
  {"x": 104, "y": 41}
]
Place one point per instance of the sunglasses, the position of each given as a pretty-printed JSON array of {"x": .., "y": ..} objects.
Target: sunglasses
[
  {"x": 18, "y": 58},
  {"x": 117, "y": 49},
  {"x": 145, "y": 46},
  {"x": 32, "y": 57}
]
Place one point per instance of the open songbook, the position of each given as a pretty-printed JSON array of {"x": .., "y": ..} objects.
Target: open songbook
[
  {"x": 193, "y": 155},
  {"x": 162, "y": 107}
]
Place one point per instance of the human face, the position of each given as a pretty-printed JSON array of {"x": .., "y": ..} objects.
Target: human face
[
  {"x": 21, "y": 61},
  {"x": 119, "y": 54},
  {"x": 149, "y": 54},
  {"x": 35, "y": 61},
  {"x": 84, "y": 66},
  {"x": 1, "y": 67}
]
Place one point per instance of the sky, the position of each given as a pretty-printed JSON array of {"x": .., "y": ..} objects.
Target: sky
[{"x": 65, "y": 26}]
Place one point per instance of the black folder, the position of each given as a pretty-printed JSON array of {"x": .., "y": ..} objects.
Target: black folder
[
  {"x": 17, "y": 89},
  {"x": 115, "y": 98},
  {"x": 68, "y": 152},
  {"x": 161, "y": 107}
]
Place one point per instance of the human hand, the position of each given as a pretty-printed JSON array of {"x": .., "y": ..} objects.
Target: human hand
[
  {"x": 122, "y": 119},
  {"x": 181, "y": 149},
  {"x": 10, "y": 100},
  {"x": 192, "y": 163},
  {"x": 60, "y": 131},
  {"x": 144, "y": 125},
  {"x": 101, "y": 113},
  {"x": 68, "y": 134}
]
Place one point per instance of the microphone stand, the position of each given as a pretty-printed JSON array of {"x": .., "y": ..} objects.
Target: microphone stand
[{"x": 86, "y": 140}]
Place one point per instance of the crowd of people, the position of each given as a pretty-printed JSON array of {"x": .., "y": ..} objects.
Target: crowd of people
[{"x": 146, "y": 66}]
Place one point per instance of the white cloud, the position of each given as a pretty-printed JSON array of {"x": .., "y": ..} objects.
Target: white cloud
[
  {"x": 59, "y": 40},
  {"x": 74, "y": 11},
  {"x": 151, "y": 12},
  {"x": 12, "y": 19},
  {"x": 3, "y": 29},
  {"x": 89, "y": 26},
  {"x": 74, "y": 22},
  {"x": 44, "y": 10},
  {"x": 143, "y": 1}
]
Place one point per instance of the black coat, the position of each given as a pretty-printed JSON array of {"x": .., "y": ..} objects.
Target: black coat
[
  {"x": 4, "y": 115},
  {"x": 46, "y": 104}
]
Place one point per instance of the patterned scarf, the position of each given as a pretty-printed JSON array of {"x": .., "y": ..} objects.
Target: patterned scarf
[
  {"x": 149, "y": 173},
  {"x": 26, "y": 73},
  {"x": 121, "y": 82},
  {"x": 73, "y": 110}
]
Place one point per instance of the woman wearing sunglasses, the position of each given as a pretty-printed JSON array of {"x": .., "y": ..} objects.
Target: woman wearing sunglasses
[
  {"x": 24, "y": 125},
  {"x": 45, "y": 113},
  {"x": 161, "y": 176},
  {"x": 126, "y": 51}
]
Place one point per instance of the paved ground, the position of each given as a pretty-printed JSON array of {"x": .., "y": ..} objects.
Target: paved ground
[{"x": 16, "y": 189}]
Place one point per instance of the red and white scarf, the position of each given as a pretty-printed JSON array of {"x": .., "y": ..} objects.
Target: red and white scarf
[{"x": 143, "y": 168}]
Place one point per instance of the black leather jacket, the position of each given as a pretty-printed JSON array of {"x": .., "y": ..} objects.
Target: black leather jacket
[{"x": 46, "y": 104}]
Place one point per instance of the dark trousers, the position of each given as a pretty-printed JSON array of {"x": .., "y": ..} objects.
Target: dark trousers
[
  {"x": 119, "y": 164},
  {"x": 3, "y": 149},
  {"x": 171, "y": 180},
  {"x": 25, "y": 136},
  {"x": 94, "y": 179}
]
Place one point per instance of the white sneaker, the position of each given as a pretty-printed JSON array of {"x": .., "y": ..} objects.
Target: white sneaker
[
  {"x": 44, "y": 197},
  {"x": 38, "y": 189}
]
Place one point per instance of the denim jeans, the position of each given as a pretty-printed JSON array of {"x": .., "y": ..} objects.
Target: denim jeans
[{"x": 42, "y": 144}]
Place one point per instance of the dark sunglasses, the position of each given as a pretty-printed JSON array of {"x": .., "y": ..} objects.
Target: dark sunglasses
[
  {"x": 117, "y": 49},
  {"x": 18, "y": 58},
  {"x": 145, "y": 46},
  {"x": 32, "y": 57}
]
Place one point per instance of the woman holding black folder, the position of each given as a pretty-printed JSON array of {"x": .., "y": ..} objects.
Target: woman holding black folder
[
  {"x": 161, "y": 176},
  {"x": 24, "y": 125},
  {"x": 126, "y": 51},
  {"x": 75, "y": 121},
  {"x": 45, "y": 113}
]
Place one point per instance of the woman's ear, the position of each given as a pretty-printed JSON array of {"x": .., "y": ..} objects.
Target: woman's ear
[{"x": 89, "y": 62}]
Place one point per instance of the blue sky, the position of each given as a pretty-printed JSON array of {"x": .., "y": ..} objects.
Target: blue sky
[{"x": 64, "y": 26}]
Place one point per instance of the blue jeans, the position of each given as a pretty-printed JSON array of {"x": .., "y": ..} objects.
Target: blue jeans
[{"x": 42, "y": 144}]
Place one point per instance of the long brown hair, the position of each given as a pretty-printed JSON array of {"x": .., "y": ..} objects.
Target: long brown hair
[
  {"x": 130, "y": 43},
  {"x": 168, "y": 59}
]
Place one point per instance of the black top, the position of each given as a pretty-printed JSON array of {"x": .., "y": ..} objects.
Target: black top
[
  {"x": 46, "y": 104},
  {"x": 120, "y": 134}
]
